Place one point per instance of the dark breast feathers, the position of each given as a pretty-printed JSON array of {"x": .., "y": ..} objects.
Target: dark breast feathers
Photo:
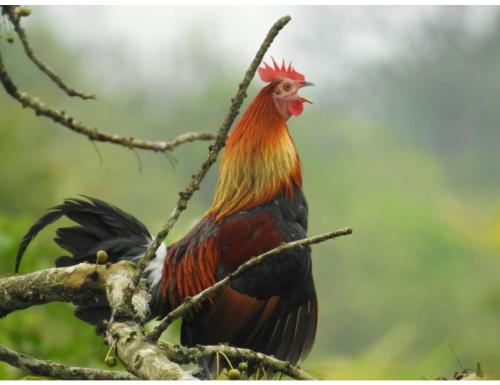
[{"x": 271, "y": 308}]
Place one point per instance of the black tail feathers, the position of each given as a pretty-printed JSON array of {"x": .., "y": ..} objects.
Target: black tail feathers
[{"x": 101, "y": 227}]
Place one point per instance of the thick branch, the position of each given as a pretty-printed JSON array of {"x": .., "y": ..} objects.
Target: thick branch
[
  {"x": 83, "y": 284},
  {"x": 77, "y": 284},
  {"x": 215, "y": 148},
  {"x": 28, "y": 49},
  {"x": 190, "y": 302},
  {"x": 117, "y": 283},
  {"x": 57, "y": 370},
  {"x": 140, "y": 355},
  {"x": 143, "y": 358},
  {"x": 92, "y": 133},
  {"x": 185, "y": 355}
]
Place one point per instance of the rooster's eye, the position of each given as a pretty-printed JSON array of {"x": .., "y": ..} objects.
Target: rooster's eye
[{"x": 287, "y": 87}]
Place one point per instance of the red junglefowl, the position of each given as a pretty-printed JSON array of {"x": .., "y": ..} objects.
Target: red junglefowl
[{"x": 258, "y": 204}]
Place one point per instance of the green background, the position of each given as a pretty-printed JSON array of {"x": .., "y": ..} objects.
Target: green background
[{"x": 404, "y": 150}]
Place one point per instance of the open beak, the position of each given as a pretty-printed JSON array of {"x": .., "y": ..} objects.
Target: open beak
[{"x": 306, "y": 84}]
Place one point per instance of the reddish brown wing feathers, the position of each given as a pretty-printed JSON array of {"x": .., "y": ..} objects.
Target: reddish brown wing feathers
[
  {"x": 229, "y": 315},
  {"x": 244, "y": 236},
  {"x": 282, "y": 324},
  {"x": 233, "y": 316},
  {"x": 271, "y": 308},
  {"x": 190, "y": 264}
]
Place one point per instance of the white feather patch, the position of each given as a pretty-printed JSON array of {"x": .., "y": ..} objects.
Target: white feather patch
[{"x": 154, "y": 269}]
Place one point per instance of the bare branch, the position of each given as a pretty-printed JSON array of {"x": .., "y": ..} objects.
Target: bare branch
[
  {"x": 57, "y": 370},
  {"x": 215, "y": 148},
  {"x": 118, "y": 282},
  {"x": 185, "y": 355},
  {"x": 81, "y": 284},
  {"x": 178, "y": 140},
  {"x": 28, "y": 49},
  {"x": 190, "y": 302},
  {"x": 92, "y": 133},
  {"x": 143, "y": 358}
]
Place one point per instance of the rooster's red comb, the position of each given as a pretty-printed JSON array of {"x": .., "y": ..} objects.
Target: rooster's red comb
[{"x": 269, "y": 74}]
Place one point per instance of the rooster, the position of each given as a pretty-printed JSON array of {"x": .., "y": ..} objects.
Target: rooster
[{"x": 258, "y": 204}]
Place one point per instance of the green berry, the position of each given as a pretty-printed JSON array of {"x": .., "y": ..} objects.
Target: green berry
[
  {"x": 243, "y": 366},
  {"x": 101, "y": 256},
  {"x": 23, "y": 11},
  {"x": 110, "y": 361},
  {"x": 234, "y": 374}
]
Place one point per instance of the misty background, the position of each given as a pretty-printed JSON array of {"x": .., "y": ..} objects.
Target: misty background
[{"x": 402, "y": 145}]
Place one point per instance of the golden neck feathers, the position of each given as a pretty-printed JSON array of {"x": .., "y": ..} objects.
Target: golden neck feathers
[{"x": 259, "y": 162}]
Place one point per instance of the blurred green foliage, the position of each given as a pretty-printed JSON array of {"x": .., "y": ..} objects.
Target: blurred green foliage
[{"x": 416, "y": 177}]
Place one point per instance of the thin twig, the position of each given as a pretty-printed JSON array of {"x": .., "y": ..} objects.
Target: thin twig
[
  {"x": 215, "y": 148},
  {"x": 30, "y": 52},
  {"x": 186, "y": 355},
  {"x": 138, "y": 158},
  {"x": 56, "y": 370},
  {"x": 190, "y": 302},
  {"x": 460, "y": 366},
  {"x": 99, "y": 156}
]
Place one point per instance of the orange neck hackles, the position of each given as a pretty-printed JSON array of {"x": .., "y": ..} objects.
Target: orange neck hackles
[{"x": 260, "y": 160}]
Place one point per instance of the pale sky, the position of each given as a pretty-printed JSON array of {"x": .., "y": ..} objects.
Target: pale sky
[{"x": 148, "y": 44}]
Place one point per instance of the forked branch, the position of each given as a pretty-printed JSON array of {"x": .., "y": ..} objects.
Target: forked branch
[
  {"x": 144, "y": 358},
  {"x": 141, "y": 357},
  {"x": 60, "y": 117},
  {"x": 92, "y": 133}
]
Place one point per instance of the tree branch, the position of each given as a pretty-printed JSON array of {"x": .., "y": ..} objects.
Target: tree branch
[
  {"x": 15, "y": 19},
  {"x": 143, "y": 358},
  {"x": 92, "y": 133},
  {"x": 81, "y": 284},
  {"x": 190, "y": 302},
  {"x": 215, "y": 148},
  {"x": 57, "y": 370},
  {"x": 186, "y": 355}
]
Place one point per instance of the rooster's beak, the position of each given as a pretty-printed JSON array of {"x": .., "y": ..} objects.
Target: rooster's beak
[{"x": 306, "y": 84}]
